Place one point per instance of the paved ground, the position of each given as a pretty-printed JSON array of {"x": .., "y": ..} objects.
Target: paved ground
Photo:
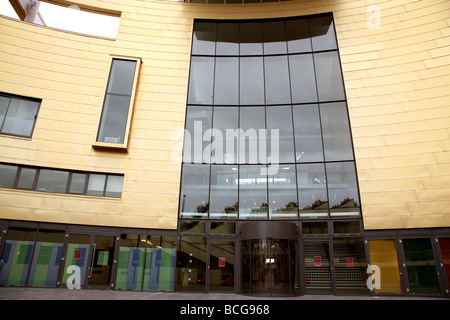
[{"x": 19, "y": 293}]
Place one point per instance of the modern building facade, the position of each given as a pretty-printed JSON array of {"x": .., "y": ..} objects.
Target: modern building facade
[{"x": 262, "y": 148}]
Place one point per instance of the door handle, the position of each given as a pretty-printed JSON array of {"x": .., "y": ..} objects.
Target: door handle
[{"x": 92, "y": 260}]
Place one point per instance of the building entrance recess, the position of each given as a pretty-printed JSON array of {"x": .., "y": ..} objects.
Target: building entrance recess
[{"x": 269, "y": 259}]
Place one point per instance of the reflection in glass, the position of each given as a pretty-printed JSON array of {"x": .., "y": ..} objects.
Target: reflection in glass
[
  {"x": 121, "y": 77},
  {"x": 20, "y": 117},
  {"x": 274, "y": 37},
  {"x": 251, "y": 81},
  {"x": 322, "y": 33},
  {"x": 191, "y": 264},
  {"x": 342, "y": 189},
  {"x": 96, "y": 185},
  {"x": 224, "y": 192},
  {"x": 77, "y": 183},
  {"x": 298, "y": 36},
  {"x": 26, "y": 178},
  {"x": 226, "y": 85},
  {"x": 330, "y": 85},
  {"x": 252, "y": 192},
  {"x": 283, "y": 202},
  {"x": 7, "y": 175},
  {"x": 308, "y": 135},
  {"x": 350, "y": 266},
  {"x": 251, "y": 39},
  {"x": 204, "y": 38},
  {"x": 160, "y": 256},
  {"x": 303, "y": 79},
  {"x": 252, "y": 140},
  {"x": 201, "y": 80},
  {"x": 227, "y": 39},
  {"x": 444, "y": 245},
  {"x": 194, "y": 196},
  {"x": 280, "y": 145},
  {"x": 276, "y": 74},
  {"x": 225, "y": 143},
  {"x": 336, "y": 131},
  {"x": 420, "y": 263},
  {"x": 312, "y": 191},
  {"x": 77, "y": 254},
  {"x": 113, "y": 123},
  {"x": 52, "y": 181},
  {"x": 198, "y": 121},
  {"x": 131, "y": 262},
  {"x": 384, "y": 255},
  {"x": 114, "y": 186}
]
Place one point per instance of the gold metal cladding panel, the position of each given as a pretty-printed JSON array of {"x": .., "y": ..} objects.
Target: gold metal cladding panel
[{"x": 396, "y": 63}]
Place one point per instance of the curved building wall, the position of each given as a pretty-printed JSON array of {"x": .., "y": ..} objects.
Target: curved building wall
[{"x": 395, "y": 59}]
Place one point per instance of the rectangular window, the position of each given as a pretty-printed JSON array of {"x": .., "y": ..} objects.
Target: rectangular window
[
  {"x": 118, "y": 104},
  {"x": 60, "y": 181},
  {"x": 18, "y": 115},
  {"x": 384, "y": 255}
]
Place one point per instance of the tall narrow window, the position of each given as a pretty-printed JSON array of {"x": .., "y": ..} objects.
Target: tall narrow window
[{"x": 118, "y": 104}]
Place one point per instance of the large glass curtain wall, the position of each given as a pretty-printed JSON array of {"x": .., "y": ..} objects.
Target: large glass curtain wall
[{"x": 267, "y": 128}]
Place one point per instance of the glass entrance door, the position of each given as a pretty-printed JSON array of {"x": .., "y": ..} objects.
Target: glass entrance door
[
  {"x": 89, "y": 261},
  {"x": 273, "y": 267}
]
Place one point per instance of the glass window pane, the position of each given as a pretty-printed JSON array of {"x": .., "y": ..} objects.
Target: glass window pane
[
  {"x": 20, "y": 117},
  {"x": 201, "y": 80},
  {"x": 224, "y": 192},
  {"x": 303, "y": 81},
  {"x": 26, "y": 179},
  {"x": 16, "y": 256},
  {"x": 196, "y": 141},
  {"x": 7, "y": 175},
  {"x": 298, "y": 35},
  {"x": 227, "y": 38},
  {"x": 46, "y": 258},
  {"x": 114, "y": 119},
  {"x": 194, "y": 202},
  {"x": 159, "y": 272},
  {"x": 4, "y": 103},
  {"x": 223, "y": 227},
  {"x": 191, "y": 264},
  {"x": 226, "y": 84},
  {"x": 312, "y": 191},
  {"x": 77, "y": 254},
  {"x": 421, "y": 266},
  {"x": 96, "y": 185},
  {"x": 330, "y": 84},
  {"x": 322, "y": 33},
  {"x": 131, "y": 262},
  {"x": 280, "y": 134},
  {"x": 336, "y": 131},
  {"x": 346, "y": 227},
  {"x": 445, "y": 251},
  {"x": 283, "y": 202},
  {"x": 225, "y": 123},
  {"x": 274, "y": 37},
  {"x": 252, "y": 140},
  {"x": 276, "y": 73},
  {"x": 342, "y": 189},
  {"x": 122, "y": 77},
  {"x": 114, "y": 186},
  {"x": 192, "y": 227},
  {"x": 308, "y": 135},
  {"x": 315, "y": 227},
  {"x": 384, "y": 255},
  {"x": 350, "y": 266},
  {"x": 52, "y": 181},
  {"x": 221, "y": 274},
  {"x": 77, "y": 183},
  {"x": 250, "y": 37},
  {"x": 204, "y": 38},
  {"x": 251, "y": 81},
  {"x": 252, "y": 192},
  {"x": 317, "y": 267}
]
